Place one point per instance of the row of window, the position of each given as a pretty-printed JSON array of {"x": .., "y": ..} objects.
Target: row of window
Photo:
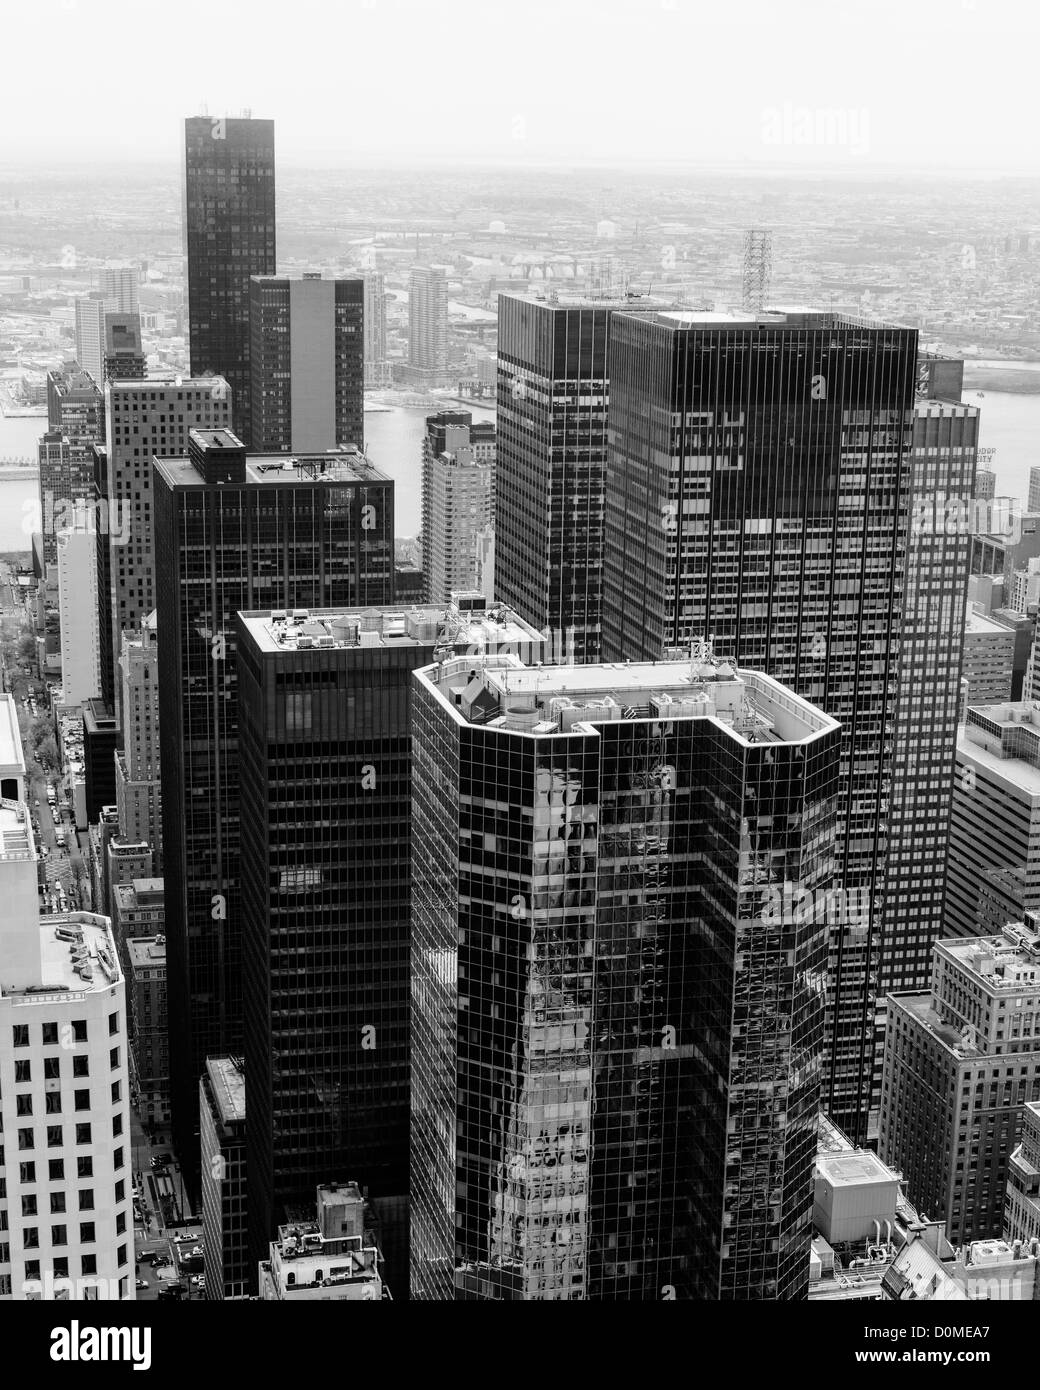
[{"x": 51, "y": 1031}]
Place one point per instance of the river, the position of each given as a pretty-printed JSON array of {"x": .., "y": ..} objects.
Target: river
[{"x": 1010, "y": 425}]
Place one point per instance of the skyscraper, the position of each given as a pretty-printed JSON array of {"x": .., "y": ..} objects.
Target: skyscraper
[
  {"x": 995, "y": 820},
  {"x": 138, "y": 793},
  {"x": 229, "y": 235},
  {"x": 90, "y": 313},
  {"x": 924, "y": 744},
  {"x": 124, "y": 353},
  {"x": 234, "y": 532},
  {"x": 553, "y": 389},
  {"x": 145, "y": 419},
  {"x": 306, "y": 363},
  {"x": 78, "y": 611},
  {"x": 377, "y": 368},
  {"x": 75, "y": 424},
  {"x": 758, "y": 489},
  {"x": 65, "y": 1185},
  {"x": 428, "y": 320},
  {"x": 458, "y": 500},
  {"x": 326, "y": 891},
  {"x": 118, "y": 284},
  {"x": 617, "y": 1002}
]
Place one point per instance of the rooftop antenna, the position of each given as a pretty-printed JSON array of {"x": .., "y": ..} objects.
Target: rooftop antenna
[{"x": 758, "y": 268}]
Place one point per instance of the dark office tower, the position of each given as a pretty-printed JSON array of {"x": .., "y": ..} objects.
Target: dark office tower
[
  {"x": 235, "y": 533},
  {"x": 306, "y": 364},
  {"x": 106, "y": 657},
  {"x": 617, "y": 998},
  {"x": 924, "y": 746},
  {"x": 145, "y": 419},
  {"x": 229, "y": 235},
  {"x": 75, "y": 423},
  {"x": 758, "y": 489},
  {"x": 326, "y": 891},
  {"x": 124, "y": 353},
  {"x": 551, "y": 466}
]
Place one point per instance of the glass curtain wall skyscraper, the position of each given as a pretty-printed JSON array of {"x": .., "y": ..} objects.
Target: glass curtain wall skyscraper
[
  {"x": 234, "y": 533},
  {"x": 617, "y": 1004},
  {"x": 229, "y": 235},
  {"x": 758, "y": 491}
]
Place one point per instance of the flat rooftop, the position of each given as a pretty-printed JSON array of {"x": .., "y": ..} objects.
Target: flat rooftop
[
  {"x": 919, "y": 1007},
  {"x": 555, "y": 699},
  {"x": 78, "y": 954},
  {"x": 1008, "y": 963},
  {"x": 490, "y": 628},
  {"x": 162, "y": 380},
  {"x": 977, "y": 625},
  {"x": 853, "y": 1169},
  {"x": 995, "y": 735},
  {"x": 228, "y": 1083},
  {"x": 771, "y": 316},
  {"x": 12, "y": 758},
  {"x": 146, "y": 951},
  {"x": 16, "y": 836},
  {"x": 280, "y": 470}
]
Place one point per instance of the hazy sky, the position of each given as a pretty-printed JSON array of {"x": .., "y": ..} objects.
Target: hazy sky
[{"x": 854, "y": 83}]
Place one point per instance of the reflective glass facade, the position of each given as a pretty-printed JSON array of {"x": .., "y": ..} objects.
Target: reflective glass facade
[
  {"x": 551, "y": 466},
  {"x": 758, "y": 489},
  {"x": 617, "y": 1046},
  {"x": 279, "y": 539},
  {"x": 229, "y": 235}
]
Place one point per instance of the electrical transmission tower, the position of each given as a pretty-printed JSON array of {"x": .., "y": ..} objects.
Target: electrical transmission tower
[{"x": 758, "y": 267}]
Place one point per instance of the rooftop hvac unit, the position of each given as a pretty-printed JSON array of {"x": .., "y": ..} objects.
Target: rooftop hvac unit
[{"x": 305, "y": 642}]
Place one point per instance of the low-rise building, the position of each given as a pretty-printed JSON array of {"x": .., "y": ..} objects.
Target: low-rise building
[{"x": 334, "y": 1257}]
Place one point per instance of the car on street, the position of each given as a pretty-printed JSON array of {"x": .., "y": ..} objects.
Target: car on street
[{"x": 143, "y": 1284}]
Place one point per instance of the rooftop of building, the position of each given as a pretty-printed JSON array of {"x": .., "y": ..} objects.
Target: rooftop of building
[
  {"x": 589, "y": 299},
  {"x": 78, "y": 956},
  {"x": 503, "y": 693},
  {"x": 146, "y": 951},
  {"x": 999, "y": 964},
  {"x": 853, "y": 1169},
  {"x": 16, "y": 836},
  {"x": 139, "y": 892},
  {"x": 468, "y": 622},
  {"x": 11, "y": 755},
  {"x": 344, "y": 465},
  {"x": 1005, "y": 740},
  {"x": 159, "y": 381},
  {"x": 978, "y": 625},
  {"x": 919, "y": 1007},
  {"x": 227, "y": 1081},
  {"x": 770, "y": 316}
]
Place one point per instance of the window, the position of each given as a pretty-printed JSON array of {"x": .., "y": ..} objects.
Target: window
[
  {"x": 51, "y": 1068},
  {"x": 22, "y": 1071},
  {"x": 121, "y": 1223},
  {"x": 32, "y": 1269},
  {"x": 81, "y": 1066},
  {"x": 56, "y": 1170},
  {"x": 61, "y": 1267},
  {"x": 21, "y": 1034},
  {"x": 31, "y": 1238},
  {"x": 117, "y": 1092},
  {"x": 83, "y": 1134},
  {"x": 120, "y": 1191},
  {"x": 86, "y": 1199},
  {"x": 52, "y": 1103},
  {"x": 82, "y": 1100},
  {"x": 79, "y": 1029},
  {"x": 117, "y": 1161},
  {"x": 57, "y": 1203},
  {"x": 29, "y": 1204},
  {"x": 27, "y": 1172},
  {"x": 84, "y": 1166},
  {"x": 50, "y": 1034},
  {"x": 113, "y": 1022},
  {"x": 59, "y": 1235},
  {"x": 23, "y": 1103},
  {"x": 117, "y": 1126},
  {"x": 25, "y": 1139},
  {"x": 121, "y": 1255},
  {"x": 113, "y": 1058},
  {"x": 88, "y": 1264},
  {"x": 86, "y": 1233}
]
